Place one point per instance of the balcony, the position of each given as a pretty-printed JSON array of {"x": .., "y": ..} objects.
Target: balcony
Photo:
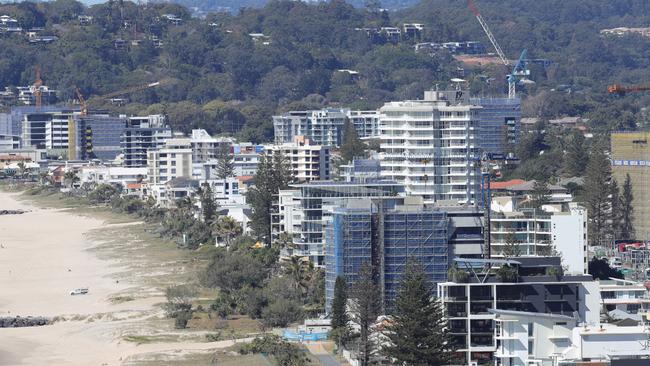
[
  {"x": 480, "y": 308},
  {"x": 485, "y": 330},
  {"x": 482, "y": 297}
]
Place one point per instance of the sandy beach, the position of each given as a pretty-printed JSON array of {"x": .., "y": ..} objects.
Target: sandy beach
[{"x": 45, "y": 254}]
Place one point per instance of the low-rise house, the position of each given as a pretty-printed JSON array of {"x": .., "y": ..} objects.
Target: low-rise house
[
  {"x": 9, "y": 24},
  {"x": 84, "y": 19},
  {"x": 111, "y": 175},
  {"x": 171, "y": 19}
]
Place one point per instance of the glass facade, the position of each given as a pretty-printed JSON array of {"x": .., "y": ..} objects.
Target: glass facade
[
  {"x": 499, "y": 125},
  {"x": 420, "y": 236},
  {"x": 98, "y": 137}
]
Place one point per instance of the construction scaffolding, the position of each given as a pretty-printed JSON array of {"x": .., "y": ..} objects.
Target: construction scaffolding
[
  {"x": 631, "y": 156},
  {"x": 389, "y": 240}
]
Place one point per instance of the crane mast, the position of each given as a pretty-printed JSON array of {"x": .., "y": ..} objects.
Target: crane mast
[{"x": 38, "y": 83}]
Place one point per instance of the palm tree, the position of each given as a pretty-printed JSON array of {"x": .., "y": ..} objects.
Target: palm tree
[
  {"x": 226, "y": 228},
  {"x": 299, "y": 269},
  {"x": 285, "y": 242},
  {"x": 22, "y": 168},
  {"x": 70, "y": 178},
  {"x": 44, "y": 178}
]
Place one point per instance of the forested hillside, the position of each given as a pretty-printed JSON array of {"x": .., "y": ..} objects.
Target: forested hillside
[
  {"x": 235, "y": 5},
  {"x": 221, "y": 78}
]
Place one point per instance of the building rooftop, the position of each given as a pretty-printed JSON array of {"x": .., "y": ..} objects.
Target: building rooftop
[
  {"x": 331, "y": 183},
  {"x": 506, "y": 184}
]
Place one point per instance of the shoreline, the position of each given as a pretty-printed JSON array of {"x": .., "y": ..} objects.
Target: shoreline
[{"x": 50, "y": 251}]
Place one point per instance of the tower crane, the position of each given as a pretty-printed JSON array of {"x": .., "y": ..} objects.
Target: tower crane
[
  {"x": 488, "y": 32},
  {"x": 134, "y": 89},
  {"x": 84, "y": 104},
  {"x": 38, "y": 94},
  {"x": 622, "y": 89},
  {"x": 520, "y": 70}
]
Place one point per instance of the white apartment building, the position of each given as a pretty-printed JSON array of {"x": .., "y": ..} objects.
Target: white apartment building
[
  {"x": 246, "y": 158},
  {"x": 365, "y": 122},
  {"x": 111, "y": 175},
  {"x": 9, "y": 142},
  {"x": 48, "y": 130},
  {"x": 27, "y": 94},
  {"x": 526, "y": 338},
  {"x": 542, "y": 339},
  {"x": 537, "y": 233},
  {"x": 150, "y": 121},
  {"x": 206, "y": 147},
  {"x": 308, "y": 161},
  {"x": 430, "y": 146},
  {"x": 56, "y": 134},
  {"x": 628, "y": 296},
  {"x": 326, "y": 126},
  {"x": 173, "y": 160}
]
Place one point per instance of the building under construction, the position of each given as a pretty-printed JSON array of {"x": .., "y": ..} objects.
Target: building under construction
[
  {"x": 364, "y": 232},
  {"x": 631, "y": 155}
]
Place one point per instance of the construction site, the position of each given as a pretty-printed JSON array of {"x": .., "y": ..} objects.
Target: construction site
[{"x": 631, "y": 156}]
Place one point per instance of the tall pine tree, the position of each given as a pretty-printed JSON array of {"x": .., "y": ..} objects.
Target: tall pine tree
[
  {"x": 540, "y": 194},
  {"x": 616, "y": 214},
  {"x": 597, "y": 196},
  {"x": 339, "y": 310},
  {"x": 627, "y": 224},
  {"x": 352, "y": 146},
  {"x": 208, "y": 204},
  {"x": 576, "y": 155},
  {"x": 260, "y": 198},
  {"x": 225, "y": 166},
  {"x": 273, "y": 174},
  {"x": 365, "y": 308},
  {"x": 512, "y": 246},
  {"x": 417, "y": 333}
]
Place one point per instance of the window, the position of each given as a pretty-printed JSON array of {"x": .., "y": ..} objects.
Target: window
[
  {"x": 531, "y": 350},
  {"x": 530, "y": 329}
]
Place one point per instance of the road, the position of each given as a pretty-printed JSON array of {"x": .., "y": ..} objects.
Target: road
[{"x": 325, "y": 358}]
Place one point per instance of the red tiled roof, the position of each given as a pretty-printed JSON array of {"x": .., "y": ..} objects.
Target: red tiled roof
[
  {"x": 506, "y": 184},
  {"x": 245, "y": 178},
  {"x": 133, "y": 185},
  {"x": 14, "y": 158}
]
